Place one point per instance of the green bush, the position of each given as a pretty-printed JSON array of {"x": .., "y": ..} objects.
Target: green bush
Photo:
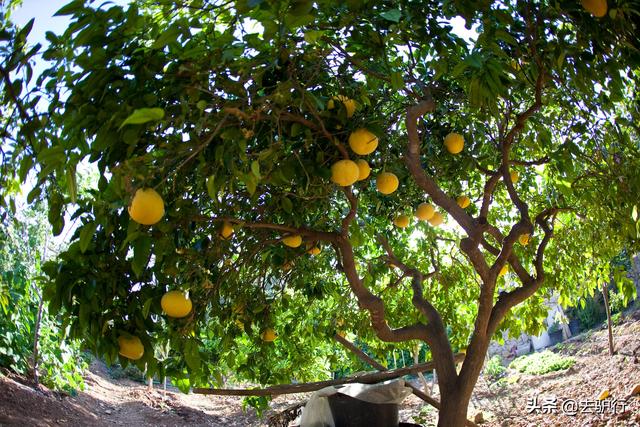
[
  {"x": 22, "y": 244},
  {"x": 494, "y": 369},
  {"x": 541, "y": 363},
  {"x": 591, "y": 314}
]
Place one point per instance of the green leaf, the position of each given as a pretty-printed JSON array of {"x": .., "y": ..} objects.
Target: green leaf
[
  {"x": 143, "y": 115},
  {"x": 393, "y": 15},
  {"x": 86, "y": 234},
  {"x": 251, "y": 182},
  {"x": 255, "y": 168},
  {"x": 72, "y": 186},
  {"x": 397, "y": 81},
  {"x": 312, "y": 36},
  {"x": 146, "y": 307},
  {"x": 211, "y": 186},
  {"x": 287, "y": 205},
  {"x": 70, "y": 8},
  {"x": 634, "y": 213},
  {"x": 192, "y": 356},
  {"x": 168, "y": 36},
  {"x": 141, "y": 252}
]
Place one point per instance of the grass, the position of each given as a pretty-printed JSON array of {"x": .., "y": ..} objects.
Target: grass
[{"x": 541, "y": 363}]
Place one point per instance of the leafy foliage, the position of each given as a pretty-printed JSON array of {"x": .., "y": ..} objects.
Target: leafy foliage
[
  {"x": 494, "y": 369},
  {"x": 22, "y": 241}
]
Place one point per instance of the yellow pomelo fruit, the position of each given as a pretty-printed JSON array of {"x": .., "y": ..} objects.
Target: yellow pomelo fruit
[
  {"x": 292, "y": 241},
  {"x": 130, "y": 347},
  {"x": 227, "y": 230},
  {"x": 463, "y": 201},
  {"x": 268, "y": 335},
  {"x": 345, "y": 172},
  {"x": 387, "y": 183},
  {"x": 349, "y": 104},
  {"x": 401, "y": 221},
  {"x": 515, "y": 176},
  {"x": 425, "y": 211},
  {"x": 604, "y": 394},
  {"x": 454, "y": 143},
  {"x": 524, "y": 239},
  {"x": 363, "y": 142},
  {"x": 147, "y": 206},
  {"x": 314, "y": 250},
  {"x": 175, "y": 304},
  {"x": 364, "y": 169},
  {"x": 597, "y": 8},
  {"x": 436, "y": 219},
  {"x": 504, "y": 270}
]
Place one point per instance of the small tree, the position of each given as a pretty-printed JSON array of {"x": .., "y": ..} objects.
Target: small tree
[{"x": 235, "y": 113}]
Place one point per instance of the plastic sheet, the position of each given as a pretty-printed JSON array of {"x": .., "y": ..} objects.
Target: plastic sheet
[{"x": 317, "y": 412}]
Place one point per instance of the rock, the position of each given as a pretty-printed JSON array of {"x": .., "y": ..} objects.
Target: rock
[{"x": 634, "y": 390}]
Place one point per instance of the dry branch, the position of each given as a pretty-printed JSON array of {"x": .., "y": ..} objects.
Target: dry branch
[{"x": 368, "y": 378}]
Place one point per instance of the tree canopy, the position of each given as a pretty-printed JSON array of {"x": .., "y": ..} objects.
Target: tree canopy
[{"x": 234, "y": 113}]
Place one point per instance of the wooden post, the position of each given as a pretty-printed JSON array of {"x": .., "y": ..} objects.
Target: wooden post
[
  {"x": 605, "y": 294},
  {"x": 416, "y": 391}
]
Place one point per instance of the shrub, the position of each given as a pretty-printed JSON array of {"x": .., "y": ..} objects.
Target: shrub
[
  {"x": 541, "y": 363},
  {"x": 591, "y": 314},
  {"x": 494, "y": 369}
]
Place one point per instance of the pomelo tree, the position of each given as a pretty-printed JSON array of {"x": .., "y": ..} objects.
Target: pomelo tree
[{"x": 516, "y": 146}]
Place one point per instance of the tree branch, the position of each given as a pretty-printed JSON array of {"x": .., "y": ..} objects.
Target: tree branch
[{"x": 424, "y": 181}]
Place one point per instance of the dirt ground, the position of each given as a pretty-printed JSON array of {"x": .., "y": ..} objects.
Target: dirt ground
[{"x": 107, "y": 401}]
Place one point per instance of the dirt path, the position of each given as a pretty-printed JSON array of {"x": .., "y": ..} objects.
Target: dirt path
[{"x": 108, "y": 402}]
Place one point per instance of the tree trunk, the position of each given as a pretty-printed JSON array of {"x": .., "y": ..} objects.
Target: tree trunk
[
  {"x": 36, "y": 328},
  {"x": 605, "y": 295},
  {"x": 36, "y": 339},
  {"x": 453, "y": 407}
]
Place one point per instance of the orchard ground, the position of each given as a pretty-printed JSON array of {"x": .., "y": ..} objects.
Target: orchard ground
[{"x": 109, "y": 401}]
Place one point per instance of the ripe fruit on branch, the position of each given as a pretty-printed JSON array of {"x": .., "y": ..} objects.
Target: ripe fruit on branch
[
  {"x": 292, "y": 241},
  {"x": 314, "y": 250},
  {"x": 130, "y": 347},
  {"x": 147, "y": 206},
  {"x": 227, "y": 230},
  {"x": 363, "y": 168},
  {"x": 504, "y": 270},
  {"x": 515, "y": 176},
  {"x": 345, "y": 172},
  {"x": 463, "y": 201},
  {"x": 425, "y": 211},
  {"x": 401, "y": 221},
  {"x": 524, "y": 239},
  {"x": 597, "y": 8},
  {"x": 349, "y": 104},
  {"x": 436, "y": 219},
  {"x": 268, "y": 335},
  {"x": 387, "y": 183},
  {"x": 454, "y": 142},
  {"x": 363, "y": 142},
  {"x": 175, "y": 304}
]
